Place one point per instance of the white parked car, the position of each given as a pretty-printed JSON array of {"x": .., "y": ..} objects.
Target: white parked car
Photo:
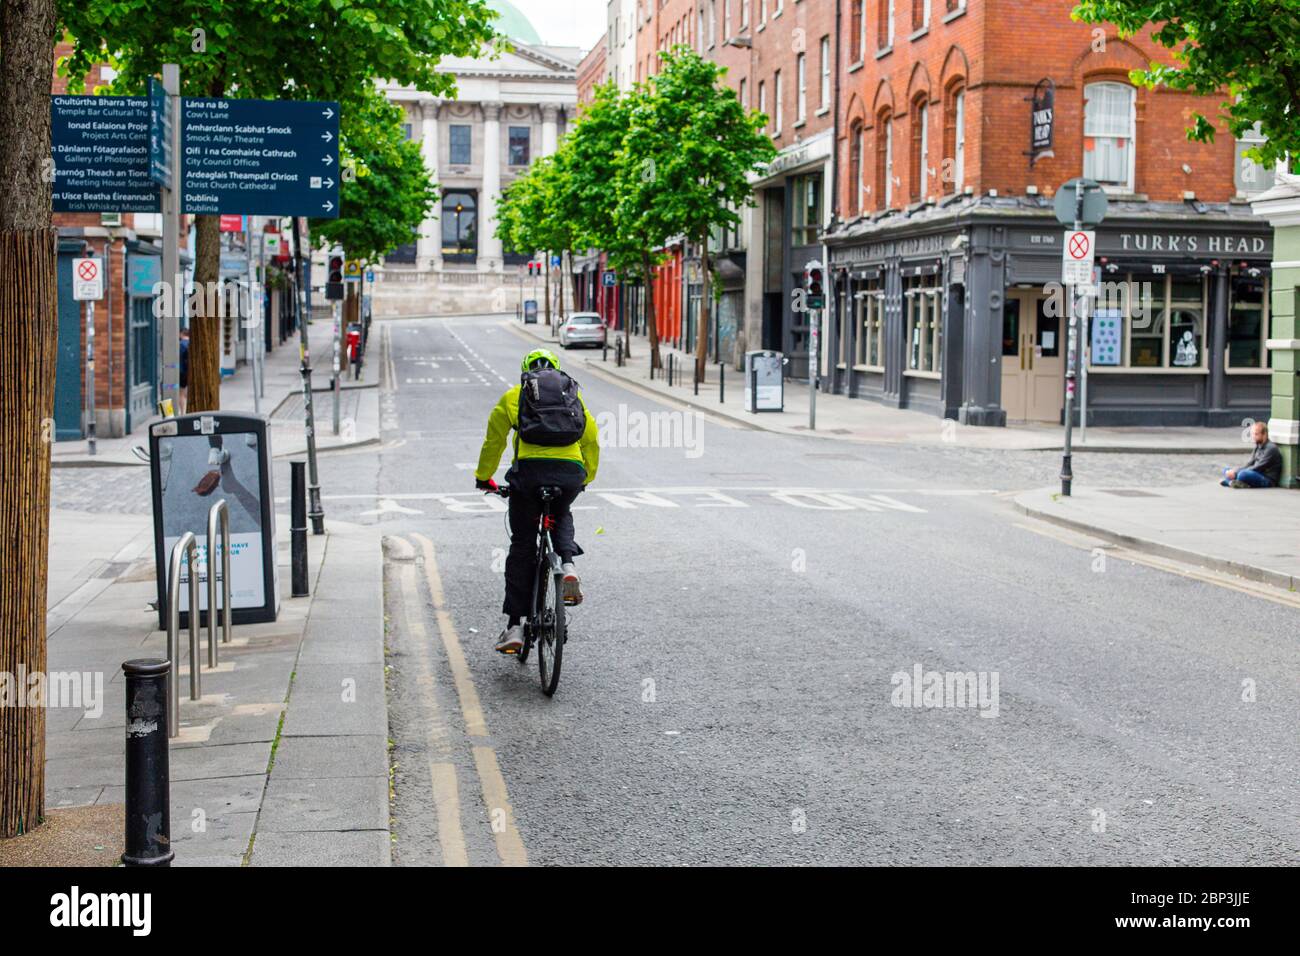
[{"x": 582, "y": 328}]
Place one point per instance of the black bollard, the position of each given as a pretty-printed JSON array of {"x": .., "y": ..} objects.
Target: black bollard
[
  {"x": 695, "y": 377},
  {"x": 148, "y": 792},
  {"x": 298, "y": 526},
  {"x": 670, "y": 369},
  {"x": 722, "y": 375}
]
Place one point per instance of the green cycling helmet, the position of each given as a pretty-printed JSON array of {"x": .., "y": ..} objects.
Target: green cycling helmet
[{"x": 540, "y": 355}]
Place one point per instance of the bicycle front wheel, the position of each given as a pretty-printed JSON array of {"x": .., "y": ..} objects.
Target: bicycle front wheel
[{"x": 550, "y": 643}]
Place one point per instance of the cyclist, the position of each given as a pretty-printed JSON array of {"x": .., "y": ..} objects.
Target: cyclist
[{"x": 555, "y": 444}]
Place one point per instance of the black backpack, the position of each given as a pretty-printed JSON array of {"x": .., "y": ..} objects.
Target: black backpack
[{"x": 550, "y": 411}]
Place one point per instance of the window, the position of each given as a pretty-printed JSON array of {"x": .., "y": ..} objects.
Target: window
[
  {"x": 406, "y": 131},
  {"x": 713, "y": 20},
  {"x": 776, "y": 103},
  {"x": 885, "y": 28},
  {"x": 726, "y": 19},
  {"x": 855, "y": 170},
  {"x": 920, "y": 14},
  {"x": 954, "y": 5},
  {"x": 762, "y": 12},
  {"x": 826, "y": 73},
  {"x": 1248, "y": 322},
  {"x": 777, "y": 7},
  {"x": 1163, "y": 318},
  {"x": 762, "y": 98},
  {"x": 806, "y": 214},
  {"x": 1108, "y": 131},
  {"x": 520, "y": 152},
  {"x": 858, "y": 31},
  {"x": 743, "y": 93},
  {"x": 924, "y": 300},
  {"x": 885, "y": 160},
  {"x": 459, "y": 226},
  {"x": 458, "y": 144},
  {"x": 920, "y": 150},
  {"x": 801, "y": 77},
  {"x": 744, "y": 14},
  {"x": 954, "y": 145},
  {"x": 871, "y": 311}
]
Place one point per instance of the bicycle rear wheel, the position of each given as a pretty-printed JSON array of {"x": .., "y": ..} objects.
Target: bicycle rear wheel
[{"x": 550, "y": 642}]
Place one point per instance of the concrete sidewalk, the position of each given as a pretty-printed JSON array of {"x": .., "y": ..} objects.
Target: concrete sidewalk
[
  {"x": 851, "y": 419},
  {"x": 284, "y": 759},
  {"x": 281, "y": 403},
  {"x": 1251, "y": 533}
]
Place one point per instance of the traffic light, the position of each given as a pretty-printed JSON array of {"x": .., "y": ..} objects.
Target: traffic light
[
  {"x": 815, "y": 287},
  {"x": 334, "y": 282}
]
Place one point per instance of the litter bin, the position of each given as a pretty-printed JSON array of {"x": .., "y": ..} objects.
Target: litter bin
[{"x": 764, "y": 381}]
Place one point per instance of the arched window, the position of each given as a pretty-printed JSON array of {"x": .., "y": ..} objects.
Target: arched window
[
  {"x": 920, "y": 171},
  {"x": 885, "y": 159},
  {"x": 856, "y": 187},
  {"x": 460, "y": 226},
  {"x": 953, "y": 172},
  {"x": 1109, "y": 121}
]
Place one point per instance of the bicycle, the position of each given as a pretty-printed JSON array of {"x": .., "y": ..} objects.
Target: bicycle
[{"x": 545, "y": 625}]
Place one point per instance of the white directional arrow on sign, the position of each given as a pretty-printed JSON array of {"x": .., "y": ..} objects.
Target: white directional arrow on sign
[
  {"x": 327, "y": 113},
  {"x": 327, "y": 136},
  {"x": 327, "y": 160},
  {"x": 329, "y": 183},
  {"x": 327, "y": 206}
]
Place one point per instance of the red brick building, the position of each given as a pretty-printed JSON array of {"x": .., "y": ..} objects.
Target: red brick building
[
  {"x": 945, "y": 253},
  {"x": 591, "y": 73}
]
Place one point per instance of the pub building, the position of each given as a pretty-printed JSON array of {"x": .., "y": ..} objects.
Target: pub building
[{"x": 956, "y": 309}]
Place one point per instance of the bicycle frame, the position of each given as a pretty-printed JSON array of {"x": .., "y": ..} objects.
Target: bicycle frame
[{"x": 547, "y": 561}]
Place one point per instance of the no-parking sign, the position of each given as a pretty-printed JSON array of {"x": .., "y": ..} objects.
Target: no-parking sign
[
  {"x": 87, "y": 280},
  {"x": 1077, "y": 253}
]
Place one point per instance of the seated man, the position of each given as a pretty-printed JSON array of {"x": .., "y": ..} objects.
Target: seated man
[
  {"x": 556, "y": 443},
  {"x": 1264, "y": 470}
]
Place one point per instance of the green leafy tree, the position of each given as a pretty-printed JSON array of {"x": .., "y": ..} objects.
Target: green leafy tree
[
  {"x": 688, "y": 156},
  {"x": 592, "y": 158},
  {"x": 277, "y": 49},
  {"x": 1249, "y": 49}
]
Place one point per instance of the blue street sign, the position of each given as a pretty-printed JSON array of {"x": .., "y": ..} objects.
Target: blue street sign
[
  {"x": 260, "y": 157},
  {"x": 100, "y": 147},
  {"x": 370, "y": 276},
  {"x": 609, "y": 279},
  {"x": 160, "y": 134}
]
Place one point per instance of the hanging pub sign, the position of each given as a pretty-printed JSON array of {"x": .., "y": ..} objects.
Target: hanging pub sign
[{"x": 1042, "y": 119}]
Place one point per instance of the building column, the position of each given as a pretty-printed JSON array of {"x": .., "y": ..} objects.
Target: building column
[
  {"x": 550, "y": 128},
  {"x": 429, "y": 246},
  {"x": 489, "y": 246}
]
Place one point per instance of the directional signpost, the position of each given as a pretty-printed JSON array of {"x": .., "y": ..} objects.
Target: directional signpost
[
  {"x": 100, "y": 148},
  {"x": 160, "y": 134},
  {"x": 88, "y": 287},
  {"x": 260, "y": 157}
]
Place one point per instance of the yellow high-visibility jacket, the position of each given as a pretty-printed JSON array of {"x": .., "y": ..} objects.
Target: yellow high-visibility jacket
[{"x": 505, "y": 416}]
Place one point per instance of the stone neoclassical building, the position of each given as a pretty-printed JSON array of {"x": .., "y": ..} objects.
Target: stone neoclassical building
[{"x": 508, "y": 111}]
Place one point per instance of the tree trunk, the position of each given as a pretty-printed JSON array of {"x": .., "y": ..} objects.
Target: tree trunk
[
  {"x": 205, "y": 324},
  {"x": 28, "y": 310},
  {"x": 651, "y": 331},
  {"x": 702, "y": 332}
]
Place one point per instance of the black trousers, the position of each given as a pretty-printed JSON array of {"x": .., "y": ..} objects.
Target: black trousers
[{"x": 526, "y": 478}]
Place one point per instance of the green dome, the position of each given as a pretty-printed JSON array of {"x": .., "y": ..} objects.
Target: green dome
[{"x": 513, "y": 23}]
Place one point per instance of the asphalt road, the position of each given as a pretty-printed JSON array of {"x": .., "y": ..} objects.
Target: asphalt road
[{"x": 733, "y": 689}]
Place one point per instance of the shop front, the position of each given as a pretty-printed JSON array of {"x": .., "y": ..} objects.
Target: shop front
[{"x": 960, "y": 312}]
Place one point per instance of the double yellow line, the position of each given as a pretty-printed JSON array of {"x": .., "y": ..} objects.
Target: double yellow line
[{"x": 446, "y": 795}]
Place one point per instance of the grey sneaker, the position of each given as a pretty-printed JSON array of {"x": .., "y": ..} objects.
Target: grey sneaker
[
  {"x": 572, "y": 585},
  {"x": 511, "y": 640},
  {"x": 1237, "y": 483}
]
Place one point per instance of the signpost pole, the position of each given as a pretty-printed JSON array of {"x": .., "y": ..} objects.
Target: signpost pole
[
  {"x": 338, "y": 310},
  {"x": 303, "y": 298},
  {"x": 90, "y": 376},
  {"x": 814, "y": 364},
  {"x": 173, "y": 281},
  {"x": 253, "y": 314},
  {"x": 1067, "y": 473}
]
